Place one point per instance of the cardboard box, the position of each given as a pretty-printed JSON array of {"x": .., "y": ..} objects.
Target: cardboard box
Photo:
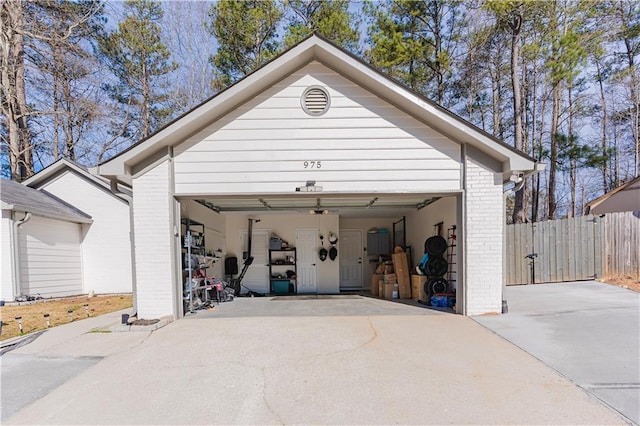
[
  {"x": 390, "y": 279},
  {"x": 388, "y": 291},
  {"x": 417, "y": 287},
  {"x": 375, "y": 284},
  {"x": 401, "y": 266},
  {"x": 381, "y": 289}
]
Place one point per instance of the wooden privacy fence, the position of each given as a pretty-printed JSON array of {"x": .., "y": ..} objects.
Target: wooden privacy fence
[{"x": 573, "y": 249}]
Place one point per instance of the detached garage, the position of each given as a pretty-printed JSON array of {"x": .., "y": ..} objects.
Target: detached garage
[
  {"x": 318, "y": 150},
  {"x": 106, "y": 244}
]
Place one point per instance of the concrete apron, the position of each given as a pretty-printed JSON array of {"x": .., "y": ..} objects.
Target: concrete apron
[
  {"x": 414, "y": 367},
  {"x": 587, "y": 331}
]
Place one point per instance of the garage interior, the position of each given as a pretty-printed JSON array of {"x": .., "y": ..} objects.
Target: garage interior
[{"x": 314, "y": 243}]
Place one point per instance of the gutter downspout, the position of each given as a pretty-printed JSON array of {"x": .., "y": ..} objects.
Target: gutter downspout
[
  {"x": 129, "y": 200},
  {"x": 16, "y": 254}
]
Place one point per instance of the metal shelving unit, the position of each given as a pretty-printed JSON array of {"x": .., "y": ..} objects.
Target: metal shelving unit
[{"x": 281, "y": 261}]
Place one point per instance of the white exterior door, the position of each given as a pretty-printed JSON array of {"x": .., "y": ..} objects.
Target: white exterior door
[
  {"x": 257, "y": 276},
  {"x": 307, "y": 252},
  {"x": 350, "y": 255}
]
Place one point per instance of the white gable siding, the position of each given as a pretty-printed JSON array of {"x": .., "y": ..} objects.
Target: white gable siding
[
  {"x": 50, "y": 258},
  {"x": 153, "y": 238},
  {"x": 106, "y": 248},
  {"x": 363, "y": 144},
  {"x": 6, "y": 257},
  {"x": 484, "y": 233}
]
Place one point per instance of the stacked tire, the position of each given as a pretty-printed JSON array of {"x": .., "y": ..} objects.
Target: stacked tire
[{"x": 436, "y": 267}]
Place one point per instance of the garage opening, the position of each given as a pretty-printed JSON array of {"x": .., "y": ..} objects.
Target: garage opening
[{"x": 310, "y": 244}]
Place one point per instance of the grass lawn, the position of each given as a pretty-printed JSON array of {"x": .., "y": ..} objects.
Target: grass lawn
[{"x": 33, "y": 319}]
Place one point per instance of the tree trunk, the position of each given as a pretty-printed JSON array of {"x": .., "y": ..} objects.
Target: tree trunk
[
  {"x": 146, "y": 103},
  {"x": 553, "y": 152},
  {"x": 437, "y": 35},
  {"x": 572, "y": 158},
  {"x": 56, "y": 117},
  {"x": 14, "y": 103},
  {"x": 519, "y": 213},
  {"x": 603, "y": 127},
  {"x": 535, "y": 196},
  {"x": 70, "y": 141}
]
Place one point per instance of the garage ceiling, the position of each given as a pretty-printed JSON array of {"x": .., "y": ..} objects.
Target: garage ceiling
[{"x": 371, "y": 205}]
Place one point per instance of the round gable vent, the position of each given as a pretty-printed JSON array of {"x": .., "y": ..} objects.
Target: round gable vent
[{"x": 315, "y": 101}]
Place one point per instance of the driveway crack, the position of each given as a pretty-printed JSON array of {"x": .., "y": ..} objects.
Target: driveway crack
[{"x": 264, "y": 397}]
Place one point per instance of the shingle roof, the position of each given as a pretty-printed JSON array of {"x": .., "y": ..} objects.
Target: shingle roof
[{"x": 17, "y": 197}]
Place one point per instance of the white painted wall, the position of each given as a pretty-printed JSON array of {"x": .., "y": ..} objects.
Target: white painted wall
[
  {"x": 152, "y": 208},
  {"x": 363, "y": 143},
  {"x": 106, "y": 247},
  {"x": 420, "y": 223},
  {"x": 50, "y": 256},
  {"x": 214, "y": 231},
  {"x": 484, "y": 235},
  {"x": 6, "y": 257},
  {"x": 364, "y": 224},
  {"x": 285, "y": 225}
]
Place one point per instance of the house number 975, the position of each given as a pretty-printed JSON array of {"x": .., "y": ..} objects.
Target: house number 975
[{"x": 312, "y": 164}]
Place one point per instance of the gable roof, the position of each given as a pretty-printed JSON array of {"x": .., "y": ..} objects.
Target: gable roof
[
  {"x": 17, "y": 197},
  {"x": 632, "y": 185},
  {"x": 314, "y": 48},
  {"x": 63, "y": 165}
]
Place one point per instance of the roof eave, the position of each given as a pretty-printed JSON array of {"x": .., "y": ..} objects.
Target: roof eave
[
  {"x": 38, "y": 212},
  {"x": 54, "y": 170}
]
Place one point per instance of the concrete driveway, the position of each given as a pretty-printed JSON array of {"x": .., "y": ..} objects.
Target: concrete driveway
[
  {"x": 587, "y": 331},
  {"x": 306, "y": 363}
]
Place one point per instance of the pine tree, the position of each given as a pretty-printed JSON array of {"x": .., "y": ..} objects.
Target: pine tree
[
  {"x": 416, "y": 42},
  {"x": 138, "y": 59},
  {"x": 246, "y": 31},
  {"x": 329, "y": 18}
]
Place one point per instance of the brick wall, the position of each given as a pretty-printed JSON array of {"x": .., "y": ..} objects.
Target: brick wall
[
  {"x": 152, "y": 223},
  {"x": 484, "y": 234}
]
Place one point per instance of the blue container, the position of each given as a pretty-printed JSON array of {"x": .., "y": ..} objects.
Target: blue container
[
  {"x": 439, "y": 301},
  {"x": 280, "y": 286}
]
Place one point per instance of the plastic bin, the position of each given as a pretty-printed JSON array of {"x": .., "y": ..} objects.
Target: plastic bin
[
  {"x": 439, "y": 301},
  {"x": 280, "y": 286},
  {"x": 275, "y": 243}
]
